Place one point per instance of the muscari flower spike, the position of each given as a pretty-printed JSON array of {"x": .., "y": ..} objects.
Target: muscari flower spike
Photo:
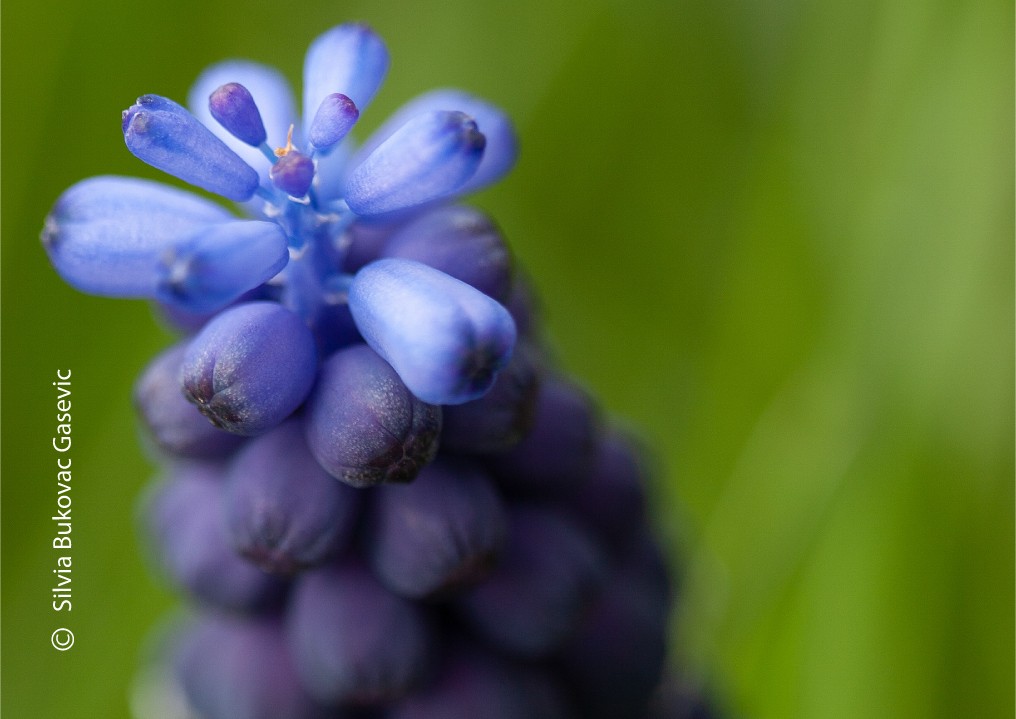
[
  {"x": 357, "y": 328},
  {"x": 306, "y": 187}
]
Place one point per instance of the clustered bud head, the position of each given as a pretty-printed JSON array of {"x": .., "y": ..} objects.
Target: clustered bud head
[{"x": 378, "y": 492}]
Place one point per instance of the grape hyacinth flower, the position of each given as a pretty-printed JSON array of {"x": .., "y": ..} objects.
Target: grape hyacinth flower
[{"x": 379, "y": 494}]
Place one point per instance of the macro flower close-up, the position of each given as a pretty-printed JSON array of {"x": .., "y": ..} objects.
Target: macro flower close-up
[
  {"x": 338, "y": 556},
  {"x": 542, "y": 360}
]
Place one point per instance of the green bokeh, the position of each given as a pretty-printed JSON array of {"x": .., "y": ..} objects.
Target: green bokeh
[{"x": 775, "y": 236}]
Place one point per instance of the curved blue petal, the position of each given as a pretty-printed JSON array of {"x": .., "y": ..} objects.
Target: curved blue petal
[
  {"x": 428, "y": 158},
  {"x": 502, "y": 142},
  {"x": 351, "y": 59},
  {"x": 166, "y": 136},
  {"x": 219, "y": 264},
  {"x": 446, "y": 339},
  {"x": 105, "y": 235}
]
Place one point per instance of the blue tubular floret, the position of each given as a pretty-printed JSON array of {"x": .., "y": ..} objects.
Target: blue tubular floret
[
  {"x": 166, "y": 136},
  {"x": 250, "y": 367},
  {"x": 107, "y": 235},
  {"x": 426, "y": 159},
  {"x": 350, "y": 59},
  {"x": 502, "y": 146},
  {"x": 446, "y": 339},
  {"x": 219, "y": 264}
]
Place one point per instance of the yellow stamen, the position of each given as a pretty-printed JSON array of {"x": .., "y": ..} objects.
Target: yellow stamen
[{"x": 283, "y": 151}]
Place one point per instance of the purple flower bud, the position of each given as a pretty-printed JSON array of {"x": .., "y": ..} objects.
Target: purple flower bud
[
  {"x": 367, "y": 240},
  {"x": 614, "y": 662},
  {"x": 239, "y": 668},
  {"x": 183, "y": 517},
  {"x": 446, "y": 340},
  {"x": 270, "y": 92},
  {"x": 107, "y": 235},
  {"x": 556, "y": 457},
  {"x": 612, "y": 501},
  {"x": 641, "y": 564},
  {"x": 498, "y": 420},
  {"x": 442, "y": 532},
  {"x": 363, "y": 425},
  {"x": 233, "y": 107},
  {"x": 460, "y": 241},
  {"x": 352, "y": 640},
  {"x": 549, "y": 573},
  {"x": 250, "y": 367},
  {"x": 334, "y": 119},
  {"x": 283, "y": 511},
  {"x": 477, "y": 683},
  {"x": 350, "y": 59},
  {"x": 175, "y": 424},
  {"x": 293, "y": 173},
  {"x": 217, "y": 265},
  {"x": 429, "y": 157},
  {"x": 166, "y": 136}
]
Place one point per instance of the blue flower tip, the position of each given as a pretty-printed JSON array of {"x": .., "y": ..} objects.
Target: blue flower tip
[{"x": 166, "y": 136}]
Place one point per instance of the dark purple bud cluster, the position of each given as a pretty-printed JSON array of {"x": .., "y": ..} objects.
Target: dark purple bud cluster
[{"x": 380, "y": 496}]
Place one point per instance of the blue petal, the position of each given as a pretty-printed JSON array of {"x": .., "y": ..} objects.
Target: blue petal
[
  {"x": 502, "y": 143},
  {"x": 350, "y": 59},
  {"x": 330, "y": 173},
  {"x": 446, "y": 339},
  {"x": 271, "y": 94},
  {"x": 429, "y": 157},
  {"x": 105, "y": 235},
  {"x": 166, "y": 136},
  {"x": 221, "y": 263}
]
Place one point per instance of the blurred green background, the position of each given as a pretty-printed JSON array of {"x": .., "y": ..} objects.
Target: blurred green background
[{"x": 775, "y": 236}]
